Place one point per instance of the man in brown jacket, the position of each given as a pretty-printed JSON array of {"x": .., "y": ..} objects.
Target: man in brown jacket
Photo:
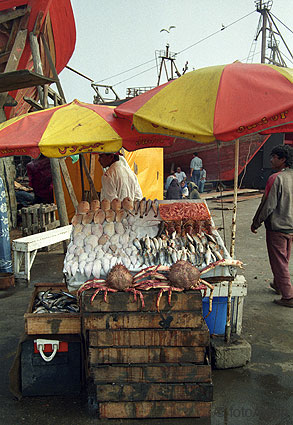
[{"x": 276, "y": 211}]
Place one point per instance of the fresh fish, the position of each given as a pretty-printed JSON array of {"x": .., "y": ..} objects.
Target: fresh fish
[
  {"x": 105, "y": 204},
  {"x": 116, "y": 204},
  {"x": 95, "y": 205},
  {"x": 155, "y": 207},
  {"x": 99, "y": 216},
  {"x": 88, "y": 217},
  {"x": 156, "y": 244},
  {"x": 184, "y": 254},
  {"x": 147, "y": 242},
  {"x": 208, "y": 256},
  {"x": 152, "y": 246},
  {"x": 137, "y": 244},
  {"x": 174, "y": 256},
  {"x": 88, "y": 269},
  {"x": 191, "y": 247},
  {"x": 120, "y": 216},
  {"x": 142, "y": 207},
  {"x": 97, "y": 229},
  {"x": 148, "y": 206},
  {"x": 136, "y": 206},
  {"x": 109, "y": 229},
  {"x": 210, "y": 238},
  {"x": 110, "y": 215}
]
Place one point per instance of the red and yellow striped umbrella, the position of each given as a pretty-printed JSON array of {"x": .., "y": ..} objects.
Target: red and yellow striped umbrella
[
  {"x": 70, "y": 129},
  {"x": 221, "y": 102}
]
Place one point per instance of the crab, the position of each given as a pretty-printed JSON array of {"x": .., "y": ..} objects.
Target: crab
[
  {"x": 120, "y": 279},
  {"x": 181, "y": 276}
]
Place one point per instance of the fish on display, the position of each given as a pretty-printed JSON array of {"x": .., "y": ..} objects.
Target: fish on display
[{"x": 55, "y": 302}]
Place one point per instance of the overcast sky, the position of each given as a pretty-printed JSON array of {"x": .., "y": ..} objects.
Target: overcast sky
[{"x": 114, "y": 36}]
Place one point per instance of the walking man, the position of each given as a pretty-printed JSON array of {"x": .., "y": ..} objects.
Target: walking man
[
  {"x": 195, "y": 168},
  {"x": 276, "y": 211}
]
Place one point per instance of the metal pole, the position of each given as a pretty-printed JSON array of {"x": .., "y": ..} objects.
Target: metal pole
[
  {"x": 232, "y": 247},
  {"x": 263, "y": 36},
  {"x": 58, "y": 189}
]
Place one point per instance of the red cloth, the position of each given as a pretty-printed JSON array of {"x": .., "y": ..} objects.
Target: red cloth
[{"x": 40, "y": 179}]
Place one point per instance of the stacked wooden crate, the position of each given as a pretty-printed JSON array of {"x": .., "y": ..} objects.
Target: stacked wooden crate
[
  {"x": 145, "y": 364},
  {"x": 39, "y": 218}
]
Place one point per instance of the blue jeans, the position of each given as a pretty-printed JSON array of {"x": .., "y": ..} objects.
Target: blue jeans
[
  {"x": 201, "y": 186},
  {"x": 195, "y": 177}
]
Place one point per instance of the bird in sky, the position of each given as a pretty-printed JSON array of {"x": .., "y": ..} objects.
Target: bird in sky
[{"x": 169, "y": 29}]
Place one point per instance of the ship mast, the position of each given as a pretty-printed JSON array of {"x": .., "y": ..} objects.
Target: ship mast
[{"x": 269, "y": 35}]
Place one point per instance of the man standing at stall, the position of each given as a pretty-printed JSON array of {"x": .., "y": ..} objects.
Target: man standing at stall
[
  {"x": 118, "y": 180},
  {"x": 276, "y": 211},
  {"x": 195, "y": 168}
]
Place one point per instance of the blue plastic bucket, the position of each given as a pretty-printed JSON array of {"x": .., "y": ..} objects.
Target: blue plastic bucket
[{"x": 216, "y": 320}]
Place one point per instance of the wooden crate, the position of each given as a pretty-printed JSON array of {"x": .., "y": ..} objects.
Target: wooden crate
[
  {"x": 39, "y": 218},
  {"x": 144, "y": 363},
  {"x": 51, "y": 323}
]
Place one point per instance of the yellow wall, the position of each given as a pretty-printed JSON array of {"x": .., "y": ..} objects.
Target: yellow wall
[{"x": 146, "y": 163}]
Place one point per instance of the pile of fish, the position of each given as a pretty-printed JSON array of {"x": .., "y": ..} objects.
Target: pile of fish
[
  {"x": 199, "y": 249},
  {"x": 131, "y": 233},
  {"x": 55, "y": 302},
  {"x": 107, "y": 233}
]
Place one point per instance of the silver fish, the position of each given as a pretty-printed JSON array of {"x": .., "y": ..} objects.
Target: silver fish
[
  {"x": 142, "y": 207},
  {"x": 155, "y": 207},
  {"x": 208, "y": 256},
  {"x": 137, "y": 244},
  {"x": 148, "y": 206},
  {"x": 156, "y": 243},
  {"x": 136, "y": 206}
]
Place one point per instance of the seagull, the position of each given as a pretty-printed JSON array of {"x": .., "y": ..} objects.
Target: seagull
[{"x": 168, "y": 30}]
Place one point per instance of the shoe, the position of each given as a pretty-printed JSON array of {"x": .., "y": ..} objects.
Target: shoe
[
  {"x": 275, "y": 288},
  {"x": 284, "y": 303}
]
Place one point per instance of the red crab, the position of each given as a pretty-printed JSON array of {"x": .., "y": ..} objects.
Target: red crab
[{"x": 181, "y": 276}]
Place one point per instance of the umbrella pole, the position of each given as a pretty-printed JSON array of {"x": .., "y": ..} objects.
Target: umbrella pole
[
  {"x": 232, "y": 247},
  {"x": 81, "y": 179}
]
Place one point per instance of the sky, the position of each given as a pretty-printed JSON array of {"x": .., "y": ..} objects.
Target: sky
[{"x": 114, "y": 36}]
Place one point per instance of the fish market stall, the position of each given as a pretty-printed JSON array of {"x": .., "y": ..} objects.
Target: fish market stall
[
  {"x": 138, "y": 270},
  {"x": 144, "y": 234}
]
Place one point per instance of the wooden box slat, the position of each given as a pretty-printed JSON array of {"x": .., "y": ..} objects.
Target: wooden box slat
[
  {"x": 150, "y": 337},
  {"x": 154, "y": 391},
  {"x": 50, "y": 323},
  {"x": 160, "y": 372},
  {"x": 124, "y": 301},
  {"x": 146, "y": 355},
  {"x": 140, "y": 320},
  {"x": 154, "y": 409}
]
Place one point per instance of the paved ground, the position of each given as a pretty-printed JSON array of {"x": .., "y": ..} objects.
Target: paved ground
[{"x": 260, "y": 393}]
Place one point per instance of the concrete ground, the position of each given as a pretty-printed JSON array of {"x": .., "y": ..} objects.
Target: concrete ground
[{"x": 260, "y": 393}]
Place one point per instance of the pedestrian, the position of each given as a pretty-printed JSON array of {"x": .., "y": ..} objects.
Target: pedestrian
[
  {"x": 184, "y": 189},
  {"x": 180, "y": 175},
  {"x": 195, "y": 168},
  {"x": 40, "y": 179},
  {"x": 174, "y": 190},
  {"x": 193, "y": 190},
  {"x": 169, "y": 179},
  {"x": 118, "y": 180},
  {"x": 202, "y": 180},
  {"x": 276, "y": 211}
]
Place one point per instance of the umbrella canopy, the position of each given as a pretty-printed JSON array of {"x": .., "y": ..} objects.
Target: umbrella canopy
[
  {"x": 70, "y": 129},
  {"x": 221, "y": 102}
]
